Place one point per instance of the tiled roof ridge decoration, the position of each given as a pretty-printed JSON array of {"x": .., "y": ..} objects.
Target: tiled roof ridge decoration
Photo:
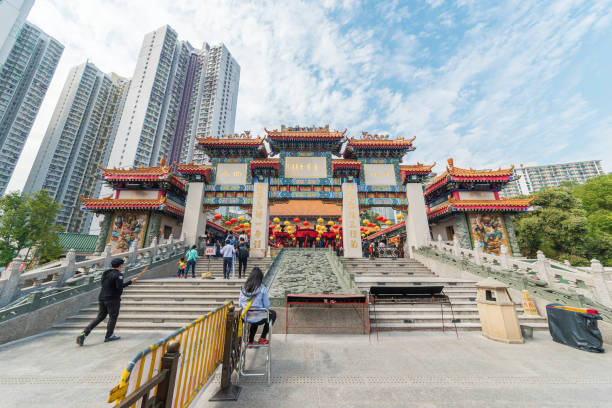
[
  {"x": 386, "y": 230},
  {"x": 467, "y": 174},
  {"x": 162, "y": 169},
  {"x": 316, "y": 133},
  {"x": 191, "y": 167},
  {"x": 109, "y": 201},
  {"x": 384, "y": 142},
  {"x": 510, "y": 204},
  {"x": 419, "y": 167},
  {"x": 214, "y": 141}
]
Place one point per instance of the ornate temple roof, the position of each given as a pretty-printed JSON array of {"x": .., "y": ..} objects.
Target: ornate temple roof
[
  {"x": 379, "y": 146},
  {"x": 305, "y": 139},
  {"x": 453, "y": 173},
  {"x": 242, "y": 145},
  {"x": 501, "y": 205},
  {"x": 271, "y": 163},
  {"x": 385, "y": 231},
  {"x": 338, "y": 163},
  {"x": 414, "y": 172},
  {"x": 109, "y": 204},
  {"x": 161, "y": 173},
  {"x": 191, "y": 171}
]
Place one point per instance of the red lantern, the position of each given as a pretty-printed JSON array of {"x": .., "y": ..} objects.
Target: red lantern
[
  {"x": 296, "y": 220},
  {"x": 233, "y": 220},
  {"x": 371, "y": 225},
  {"x": 340, "y": 220},
  {"x": 379, "y": 218},
  {"x": 241, "y": 226},
  {"x": 228, "y": 223},
  {"x": 248, "y": 230},
  {"x": 237, "y": 227},
  {"x": 218, "y": 216},
  {"x": 306, "y": 223}
]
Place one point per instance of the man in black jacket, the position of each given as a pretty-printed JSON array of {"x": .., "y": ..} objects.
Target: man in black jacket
[
  {"x": 109, "y": 300},
  {"x": 243, "y": 256}
]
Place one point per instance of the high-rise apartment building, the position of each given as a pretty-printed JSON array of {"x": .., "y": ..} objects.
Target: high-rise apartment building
[
  {"x": 530, "y": 178},
  {"x": 24, "y": 80},
  {"x": 78, "y": 141},
  {"x": 13, "y": 14},
  {"x": 217, "y": 113},
  {"x": 149, "y": 118},
  {"x": 177, "y": 92}
]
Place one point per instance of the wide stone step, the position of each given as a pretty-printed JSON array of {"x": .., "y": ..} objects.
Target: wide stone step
[
  {"x": 171, "y": 304},
  {"x": 184, "y": 291},
  {"x": 178, "y": 297},
  {"x": 132, "y": 310},
  {"x": 425, "y": 326},
  {"x": 122, "y": 325},
  {"x": 141, "y": 317}
]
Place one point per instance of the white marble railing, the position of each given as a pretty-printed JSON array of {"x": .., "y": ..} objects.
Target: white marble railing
[
  {"x": 14, "y": 284},
  {"x": 595, "y": 284}
]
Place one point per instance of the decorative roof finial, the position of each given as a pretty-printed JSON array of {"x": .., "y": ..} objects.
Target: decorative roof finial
[
  {"x": 162, "y": 162},
  {"x": 450, "y": 162}
]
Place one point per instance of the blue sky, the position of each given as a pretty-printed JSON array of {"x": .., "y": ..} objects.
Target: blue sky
[{"x": 488, "y": 83}]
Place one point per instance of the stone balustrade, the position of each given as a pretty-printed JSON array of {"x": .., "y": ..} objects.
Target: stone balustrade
[
  {"x": 558, "y": 275},
  {"x": 15, "y": 285}
]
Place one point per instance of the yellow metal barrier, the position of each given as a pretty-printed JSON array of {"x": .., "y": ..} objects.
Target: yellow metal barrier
[{"x": 201, "y": 352}]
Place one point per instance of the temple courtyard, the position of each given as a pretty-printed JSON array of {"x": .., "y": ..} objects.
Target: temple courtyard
[{"x": 426, "y": 369}]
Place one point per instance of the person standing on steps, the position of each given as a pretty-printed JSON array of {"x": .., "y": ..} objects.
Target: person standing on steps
[
  {"x": 243, "y": 256},
  {"x": 227, "y": 252},
  {"x": 109, "y": 301},
  {"x": 191, "y": 256}
]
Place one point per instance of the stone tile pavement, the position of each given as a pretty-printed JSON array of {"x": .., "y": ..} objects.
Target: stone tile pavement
[
  {"x": 426, "y": 369},
  {"x": 50, "y": 370}
]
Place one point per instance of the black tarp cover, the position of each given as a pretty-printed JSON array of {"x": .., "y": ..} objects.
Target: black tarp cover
[{"x": 574, "y": 329}]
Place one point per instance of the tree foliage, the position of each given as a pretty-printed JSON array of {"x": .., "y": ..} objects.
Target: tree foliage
[
  {"x": 572, "y": 221},
  {"x": 28, "y": 222}
]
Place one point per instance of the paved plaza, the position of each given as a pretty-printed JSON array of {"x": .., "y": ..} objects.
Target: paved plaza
[{"x": 426, "y": 369}]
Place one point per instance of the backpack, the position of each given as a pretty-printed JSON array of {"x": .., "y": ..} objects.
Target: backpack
[{"x": 243, "y": 252}]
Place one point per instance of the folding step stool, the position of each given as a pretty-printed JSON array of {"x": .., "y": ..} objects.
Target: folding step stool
[{"x": 242, "y": 371}]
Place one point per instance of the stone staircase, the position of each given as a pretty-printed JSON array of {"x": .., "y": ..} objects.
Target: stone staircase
[
  {"x": 421, "y": 316},
  {"x": 216, "y": 266},
  {"x": 168, "y": 303}
]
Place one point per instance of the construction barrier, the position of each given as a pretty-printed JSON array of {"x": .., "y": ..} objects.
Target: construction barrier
[{"x": 201, "y": 351}]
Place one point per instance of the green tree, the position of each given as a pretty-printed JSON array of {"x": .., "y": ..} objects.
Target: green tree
[
  {"x": 572, "y": 221},
  {"x": 29, "y": 222},
  {"x": 42, "y": 227},
  {"x": 14, "y": 232}
]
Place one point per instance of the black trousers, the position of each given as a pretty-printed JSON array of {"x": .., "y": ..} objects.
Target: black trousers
[
  {"x": 106, "y": 307},
  {"x": 253, "y": 326},
  {"x": 227, "y": 267},
  {"x": 242, "y": 265},
  {"x": 192, "y": 265}
]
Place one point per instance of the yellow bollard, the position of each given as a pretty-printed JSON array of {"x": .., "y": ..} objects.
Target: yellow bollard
[{"x": 528, "y": 305}]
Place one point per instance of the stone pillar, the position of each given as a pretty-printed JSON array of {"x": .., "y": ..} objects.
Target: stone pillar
[
  {"x": 9, "y": 282},
  {"x": 512, "y": 241},
  {"x": 107, "y": 257},
  {"x": 153, "y": 228},
  {"x": 69, "y": 271},
  {"x": 543, "y": 268},
  {"x": 601, "y": 284},
  {"x": 417, "y": 227},
  {"x": 351, "y": 234},
  {"x": 104, "y": 229},
  {"x": 194, "y": 221},
  {"x": 259, "y": 220}
]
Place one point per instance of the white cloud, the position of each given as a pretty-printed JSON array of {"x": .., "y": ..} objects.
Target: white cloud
[{"x": 487, "y": 100}]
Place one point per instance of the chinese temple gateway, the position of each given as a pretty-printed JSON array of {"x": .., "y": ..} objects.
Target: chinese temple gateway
[{"x": 301, "y": 184}]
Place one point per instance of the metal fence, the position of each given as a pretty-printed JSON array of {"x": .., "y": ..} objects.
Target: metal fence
[{"x": 201, "y": 351}]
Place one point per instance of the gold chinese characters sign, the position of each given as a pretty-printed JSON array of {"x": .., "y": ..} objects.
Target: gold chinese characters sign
[
  {"x": 379, "y": 175},
  {"x": 231, "y": 173},
  {"x": 351, "y": 233},
  {"x": 301, "y": 167},
  {"x": 259, "y": 220}
]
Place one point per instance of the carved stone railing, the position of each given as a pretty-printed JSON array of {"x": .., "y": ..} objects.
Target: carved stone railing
[
  {"x": 594, "y": 284},
  {"x": 517, "y": 278},
  {"x": 338, "y": 266},
  {"x": 46, "y": 285}
]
